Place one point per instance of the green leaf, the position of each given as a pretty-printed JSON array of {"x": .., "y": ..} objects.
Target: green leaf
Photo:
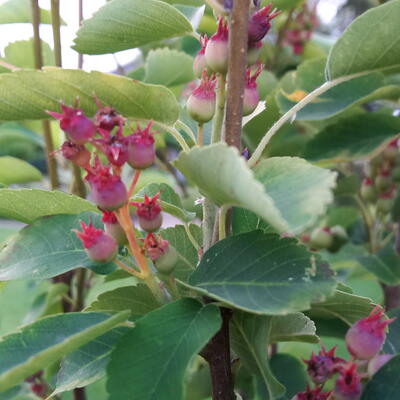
[
  {"x": 392, "y": 342},
  {"x": 292, "y": 328},
  {"x": 168, "y": 67},
  {"x": 47, "y": 248},
  {"x": 27, "y": 94},
  {"x": 14, "y": 131},
  {"x": 18, "y": 11},
  {"x": 384, "y": 264},
  {"x": 150, "y": 361},
  {"x": 233, "y": 185},
  {"x": 137, "y": 299},
  {"x": 188, "y": 257},
  {"x": 21, "y": 54},
  {"x": 126, "y": 24},
  {"x": 250, "y": 338},
  {"x": 45, "y": 341},
  {"x": 26, "y": 205},
  {"x": 14, "y": 170},
  {"x": 309, "y": 76},
  {"x": 88, "y": 363},
  {"x": 369, "y": 43},
  {"x": 170, "y": 202},
  {"x": 385, "y": 384},
  {"x": 263, "y": 274},
  {"x": 352, "y": 138},
  {"x": 300, "y": 190},
  {"x": 246, "y": 221}
]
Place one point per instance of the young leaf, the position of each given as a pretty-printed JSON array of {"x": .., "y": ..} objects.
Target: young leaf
[
  {"x": 88, "y": 363},
  {"x": 126, "y": 24},
  {"x": 300, "y": 190},
  {"x": 14, "y": 170},
  {"x": 137, "y": 299},
  {"x": 27, "y": 94},
  {"x": 150, "y": 361},
  {"x": 369, "y": 43},
  {"x": 262, "y": 274},
  {"x": 352, "y": 138},
  {"x": 26, "y": 205},
  {"x": 385, "y": 384},
  {"x": 47, "y": 248},
  {"x": 18, "y": 11},
  {"x": 45, "y": 341},
  {"x": 250, "y": 338},
  {"x": 168, "y": 67}
]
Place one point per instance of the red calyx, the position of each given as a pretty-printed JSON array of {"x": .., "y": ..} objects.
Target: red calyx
[
  {"x": 76, "y": 153},
  {"x": 314, "y": 394},
  {"x": 260, "y": 23},
  {"x": 115, "y": 147},
  {"x": 154, "y": 247},
  {"x": 149, "y": 208},
  {"x": 206, "y": 88},
  {"x": 107, "y": 118},
  {"x": 109, "y": 217},
  {"x": 203, "y": 43},
  {"x": 89, "y": 235},
  {"x": 348, "y": 384},
  {"x": 222, "y": 32},
  {"x": 250, "y": 82}
]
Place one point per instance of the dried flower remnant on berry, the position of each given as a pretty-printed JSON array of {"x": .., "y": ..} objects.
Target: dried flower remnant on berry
[
  {"x": 251, "y": 96},
  {"x": 76, "y": 153},
  {"x": 216, "y": 52},
  {"x": 348, "y": 384},
  {"x": 149, "y": 213},
  {"x": 141, "y": 150},
  {"x": 260, "y": 23},
  {"x": 199, "y": 62},
  {"x": 163, "y": 255},
  {"x": 107, "y": 118},
  {"x": 312, "y": 394}
]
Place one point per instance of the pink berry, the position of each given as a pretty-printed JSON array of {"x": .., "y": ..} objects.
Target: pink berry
[
  {"x": 200, "y": 63},
  {"x": 149, "y": 213},
  {"x": 76, "y": 153},
  {"x": 391, "y": 151},
  {"x": 113, "y": 227},
  {"x": 365, "y": 338},
  {"x": 75, "y": 124},
  {"x": 260, "y": 23},
  {"x": 201, "y": 103},
  {"x": 107, "y": 190},
  {"x": 314, "y": 394},
  {"x": 216, "y": 52},
  {"x": 251, "y": 96},
  {"x": 368, "y": 191},
  {"x": 348, "y": 384},
  {"x": 377, "y": 362},
  {"x": 141, "y": 150},
  {"x": 99, "y": 246}
]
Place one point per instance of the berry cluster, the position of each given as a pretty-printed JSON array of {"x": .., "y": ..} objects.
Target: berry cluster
[
  {"x": 364, "y": 341},
  {"x": 104, "y": 133}
]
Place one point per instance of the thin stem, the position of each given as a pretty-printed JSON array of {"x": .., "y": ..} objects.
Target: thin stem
[
  {"x": 219, "y": 110},
  {"x": 366, "y": 216},
  {"x": 191, "y": 237},
  {"x": 78, "y": 185},
  {"x": 175, "y": 133},
  {"x": 126, "y": 268},
  {"x": 55, "y": 23},
  {"x": 200, "y": 134},
  {"x": 80, "y": 275},
  {"x": 222, "y": 222},
  {"x": 8, "y": 66},
  {"x": 181, "y": 125},
  {"x": 209, "y": 211},
  {"x": 135, "y": 179}
]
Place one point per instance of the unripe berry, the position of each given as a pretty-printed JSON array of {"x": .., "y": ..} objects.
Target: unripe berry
[
  {"x": 321, "y": 238},
  {"x": 200, "y": 63},
  {"x": 99, "y": 246},
  {"x": 251, "y": 97},
  {"x": 348, "y": 384},
  {"x": 384, "y": 180},
  {"x": 149, "y": 213},
  {"x": 396, "y": 174},
  {"x": 385, "y": 201},
  {"x": 339, "y": 238},
  {"x": 253, "y": 53},
  {"x": 365, "y": 338},
  {"x": 108, "y": 192},
  {"x": 216, "y": 52},
  {"x": 314, "y": 394},
  {"x": 377, "y": 362},
  {"x": 75, "y": 124},
  {"x": 141, "y": 150},
  {"x": 368, "y": 191},
  {"x": 260, "y": 23},
  {"x": 391, "y": 151},
  {"x": 114, "y": 147},
  {"x": 201, "y": 103},
  {"x": 113, "y": 227},
  {"x": 77, "y": 154},
  {"x": 163, "y": 255}
]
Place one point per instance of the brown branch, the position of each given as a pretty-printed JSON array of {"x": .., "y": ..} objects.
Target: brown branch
[{"x": 236, "y": 68}]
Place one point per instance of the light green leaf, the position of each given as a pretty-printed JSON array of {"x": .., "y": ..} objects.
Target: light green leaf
[
  {"x": 300, "y": 190},
  {"x": 137, "y": 299},
  {"x": 250, "y": 338},
  {"x": 126, "y": 24},
  {"x": 14, "y": 131},
  {"x": 168, "y": 67},
  {"x": 14, "y": 170},
  {"x": 309, "y": 76},
  {"x": 26, "y": 205},
  {"x": 45, "y": 341},
  {"x": 385, "y": 384},
  {"x": 371, "y": 42},
  {"x": 292, "y": 328},
  {"x": 263, "y": 274},
  {"x": 352, "y": 138},
  {"x": 246, "y": 221},
  {"x": 88, "y": 363},
  {"x": 188, "y": 257},
  {"x": 150, "y": 361},
  {"x": 18, "y": 11},
  {"x": 47, "y": 248},
  {"x": 27, "y": 94},
  {"x": 170, "y": 202},
  {"x": 234, "y": 184}
]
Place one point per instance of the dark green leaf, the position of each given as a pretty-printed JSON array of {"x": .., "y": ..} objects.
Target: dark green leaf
[
  {"x": 392, "y": 342},
  {"x": 263, "y": 274},
  {"x": 150, "y": 361}
]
